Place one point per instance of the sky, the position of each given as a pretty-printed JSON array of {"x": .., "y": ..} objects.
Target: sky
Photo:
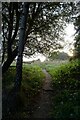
[
  {"x": 38, "y": 56},
  {"x": 68, "y": 39}
]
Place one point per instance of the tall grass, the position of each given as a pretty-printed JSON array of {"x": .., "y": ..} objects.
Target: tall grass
[
  {"x": 66, "y": 81},
  {"x": 32, "y": 77},
  {"x": 32, "y": 81},
  {"x": 66, "y": 75}
]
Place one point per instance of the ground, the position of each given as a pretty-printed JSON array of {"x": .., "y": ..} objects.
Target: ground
[
  {"x": 44, "y": 101},
  {"x": 58, "y": 96},
  {"x": 40, "y": 105}
]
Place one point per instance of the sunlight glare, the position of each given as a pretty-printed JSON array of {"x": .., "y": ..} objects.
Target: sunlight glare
[{"x": 69, "y": 39}]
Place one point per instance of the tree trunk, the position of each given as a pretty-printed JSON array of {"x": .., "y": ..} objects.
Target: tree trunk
[
  {"x": 3, "y": 45},
  {"x": 8, "y": 62},
  {"x": 18, "y": 80}
]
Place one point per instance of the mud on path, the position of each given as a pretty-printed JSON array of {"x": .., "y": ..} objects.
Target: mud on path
[{"x": 44, "y": 100}]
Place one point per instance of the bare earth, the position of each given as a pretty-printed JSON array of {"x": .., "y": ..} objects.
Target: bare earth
[{"x": 44, "y": 101}]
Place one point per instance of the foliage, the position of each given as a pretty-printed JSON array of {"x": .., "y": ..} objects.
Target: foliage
[
  {"x": 32, "y": 78},
  {"x": 53, "y": 55},
  {"x": 66, "y": 82},
  {"x": 45, "y": 21},
  {"x": 66, "y": 105},
  {"x": 58, "y": 55},
  {"x": 51, "y": 65},
  {"x": 19, "y": 107},
  {"x": 77, "y": 28},
  {"x": 10, "y": 25},
  {"x": 66, "y": 76}
]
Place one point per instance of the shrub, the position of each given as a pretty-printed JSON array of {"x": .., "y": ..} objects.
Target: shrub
[{"x": 66, "y": 76}]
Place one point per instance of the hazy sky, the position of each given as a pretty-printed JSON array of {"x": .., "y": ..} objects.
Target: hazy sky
[{"x": 69, "y": 38}]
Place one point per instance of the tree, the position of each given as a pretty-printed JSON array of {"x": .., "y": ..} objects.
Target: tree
[
  {"x": 53, "y": 55},
  {"x": 77, "y": 27},
  {"x": 44, "y": 27},
  {"x": 21, "y": 46},
  {"x": 10, "y": 27},
  {"x": 59, "y": 56},
  {"x": 40, "y": 32}
]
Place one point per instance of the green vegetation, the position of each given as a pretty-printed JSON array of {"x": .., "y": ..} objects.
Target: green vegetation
[
  {"x": 32, "y": 78},
  {"x": 31, "y": 85},
  {"x": 66, "y": 81},
  {"x": 52, "y": 64},
  {"x": 66, "y": 75},
  {"x": 66, "y": 105},
  {"x": 66, "y": 86}
]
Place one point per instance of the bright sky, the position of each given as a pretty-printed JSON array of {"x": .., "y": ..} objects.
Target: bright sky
[
  {"x": 38, "y": 56},
  {"x": 69, "y": 40}
]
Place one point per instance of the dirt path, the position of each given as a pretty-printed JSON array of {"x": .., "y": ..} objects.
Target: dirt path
[{"x": 44, "y": 102}]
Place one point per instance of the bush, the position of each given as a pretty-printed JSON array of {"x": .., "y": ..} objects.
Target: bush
[
  {"x": 66, "y": 76},
  {"x": 66, "y": 105},
  {"x": 32, "y": 78},
  {"x": 66, "y": 81},
  {"x": 19, "y": 106}
]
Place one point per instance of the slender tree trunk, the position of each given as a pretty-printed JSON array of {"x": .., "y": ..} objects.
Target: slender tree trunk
[
  {"x": 8, "y": 62},
  {"x": 14, "y": 53},
  {"x": 21, "y": 46},
  {"x": 3, "y": 45}
]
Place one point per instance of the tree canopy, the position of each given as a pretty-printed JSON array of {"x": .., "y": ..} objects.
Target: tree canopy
[
  {"x": 77, "y": 27},
  {"x": 44, "y": 28}
]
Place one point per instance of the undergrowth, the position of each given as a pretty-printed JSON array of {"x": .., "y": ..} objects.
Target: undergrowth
[
  {"x": 66, "y": 81},
  {"x": 20, "y": 106}
]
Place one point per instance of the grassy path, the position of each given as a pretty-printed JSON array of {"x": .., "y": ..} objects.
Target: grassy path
[{"x": 44, "y": 101}]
